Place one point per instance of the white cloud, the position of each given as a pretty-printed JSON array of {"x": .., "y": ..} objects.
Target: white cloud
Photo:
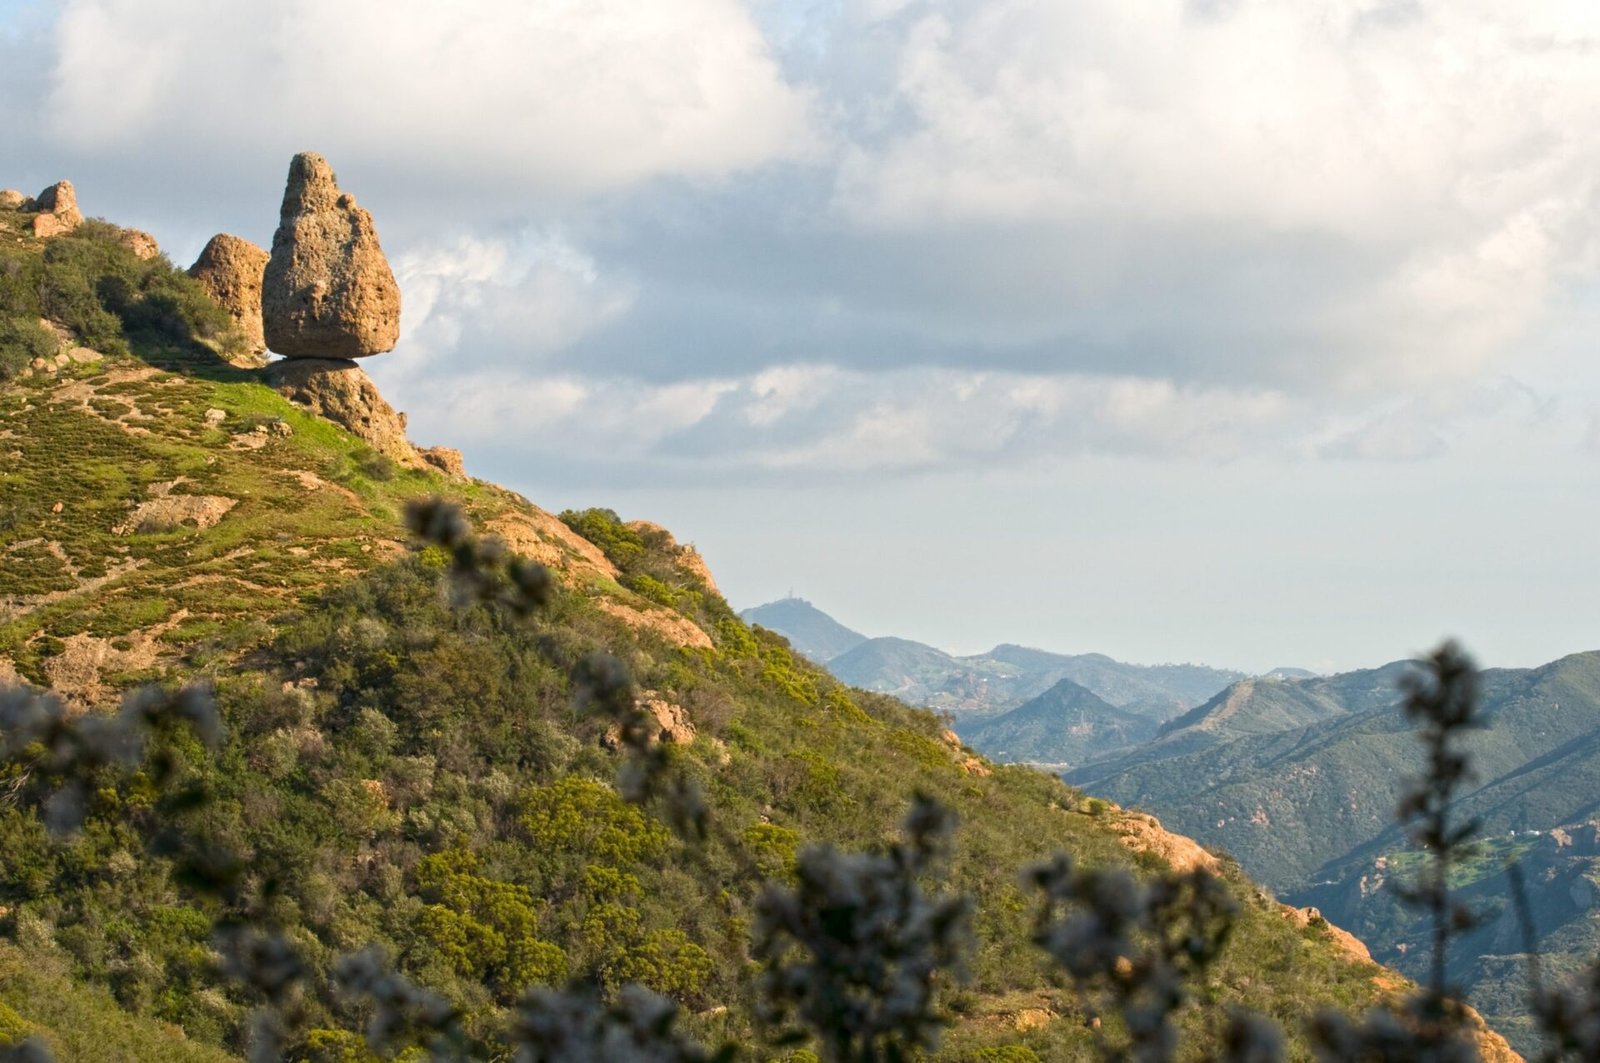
[
  {"x": 501, "y": 300},
  {"x": 1357, "y": 191},
  {"x": 524, "y": 96},
  {"x": 820, "y": 420}
]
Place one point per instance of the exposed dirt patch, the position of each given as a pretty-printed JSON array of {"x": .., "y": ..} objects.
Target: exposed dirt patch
[
  {"x": 249, "y": 440},
  {"x": 75, "y": 673},
  {"x": 15, "y": 606},
  {"x": 540, "y": 537},
  {"x": 668, "y": 625},
  {"x": 1241, "y": 693},
  {"x": 172, "y": 512},
  {"x": 310, "y": 481}
]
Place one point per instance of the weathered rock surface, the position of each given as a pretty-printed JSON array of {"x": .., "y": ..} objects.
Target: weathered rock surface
[
  {"x": 141, "y": 243},
  {"x": 328, "y": 291},
  {"x": 58, "y": 210},
  {"x": 339, "y": 390},
  {"x": 11, "y": 199},
  {"x": 446, "y": 459},
  {"x": 230, "y": 268}
]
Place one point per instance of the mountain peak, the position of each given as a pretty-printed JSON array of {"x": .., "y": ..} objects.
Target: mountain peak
[{"x": 809, "y": 630}]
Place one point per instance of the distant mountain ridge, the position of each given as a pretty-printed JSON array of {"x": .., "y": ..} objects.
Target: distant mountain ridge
[
  {"x": 984, "y": 684},
  {"x": 1299, "y": 779},
  {"x": 813, "y": 633},
  {"x": 1067, "y": 724}
]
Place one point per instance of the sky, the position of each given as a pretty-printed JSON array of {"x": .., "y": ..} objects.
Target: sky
[{"x": 1229, "y": 331}]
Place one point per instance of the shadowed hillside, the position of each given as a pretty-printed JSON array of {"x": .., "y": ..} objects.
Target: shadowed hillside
[
  {"x": 1300, "y": 778},
  {"x": 1063, "y": 726}
]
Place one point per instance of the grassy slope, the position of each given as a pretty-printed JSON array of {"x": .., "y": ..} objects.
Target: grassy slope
[{"x": 456, "y": 735}]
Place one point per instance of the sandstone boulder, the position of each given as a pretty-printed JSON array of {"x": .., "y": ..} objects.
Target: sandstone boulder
[
  {"x": 339, "y": 390},
  {"x": 57, "y": 208},
  {"x": 141, "y": 243},
  {"x": 328, "y": 291},
  {"x": 11, "y": 199},
  {"x": 230, "y": 269},
  {"x": 446, "y": 459}
]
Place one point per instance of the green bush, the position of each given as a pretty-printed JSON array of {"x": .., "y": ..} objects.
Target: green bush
[{"x": 21, "y": 341}]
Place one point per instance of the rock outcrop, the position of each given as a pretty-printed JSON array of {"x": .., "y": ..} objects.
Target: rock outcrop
[
  {"x": 447, "y": 460},
  {"x": 141, "y": 243},
  {"x": 339, "y": 390},
  {"x": 11, "y": 199},
  {"x": 684, "y": 556},
  {"x": 328, "y": 291},
  {"x": 57, "y": 208},
  {"x": 230, "y": 269}
]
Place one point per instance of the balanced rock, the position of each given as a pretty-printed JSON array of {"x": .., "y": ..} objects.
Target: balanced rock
[
  {"x": 57, "y": 208},
  {"x": 339, "y": 390},
  {"x": 328, "y": 291},
  {"x": 230, "y": 269}
]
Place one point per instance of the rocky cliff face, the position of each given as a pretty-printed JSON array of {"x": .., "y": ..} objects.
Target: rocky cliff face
[{"x": 327, "y": 291}]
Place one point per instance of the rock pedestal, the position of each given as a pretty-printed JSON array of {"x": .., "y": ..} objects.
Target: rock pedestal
[
  {"x": 339, "y": 390},
  {"x": 327, "y": 291}
]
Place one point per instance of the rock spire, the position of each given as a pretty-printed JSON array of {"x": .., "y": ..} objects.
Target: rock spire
[{"x": 328, "y": 291}]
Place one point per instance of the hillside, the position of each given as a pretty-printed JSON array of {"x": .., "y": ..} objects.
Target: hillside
[
  {"x": 1261, "y": 707},
  {"x": 813, "y": 633},
  {"x": 1287, "y": 801},
  {"x": 904, "y": 669},
  {"x": 1065, "y": 725},
  {"x": 1560, "y": 869},
  {"x": 1159, "y": 691},
  {"x": 407, "y": 771},
  {"x": 1308, "y": 807}
]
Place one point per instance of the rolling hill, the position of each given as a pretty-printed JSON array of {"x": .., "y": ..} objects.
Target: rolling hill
[
  {"x": 986, "y": 683},
  {"x": 1065, "y": 725},
  {"x": 1299, "y": 780}
]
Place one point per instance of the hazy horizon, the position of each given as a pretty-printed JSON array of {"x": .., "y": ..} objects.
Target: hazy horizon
[{"x": 1198, "y": 331}]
